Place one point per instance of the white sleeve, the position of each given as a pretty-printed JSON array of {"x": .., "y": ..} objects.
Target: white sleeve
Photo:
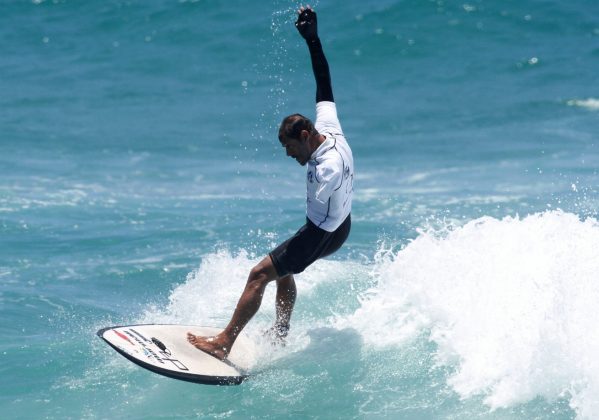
[{"x": 326, "y": 118}]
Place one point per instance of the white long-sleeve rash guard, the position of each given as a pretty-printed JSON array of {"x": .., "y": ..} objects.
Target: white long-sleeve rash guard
[{"x": 330, "y": 175}]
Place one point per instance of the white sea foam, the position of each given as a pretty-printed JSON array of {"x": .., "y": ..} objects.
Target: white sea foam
[
  {"x": 511, "y": 305},
  {"x": 209, "y": 294},
  {"x": 590, "y": 103}
]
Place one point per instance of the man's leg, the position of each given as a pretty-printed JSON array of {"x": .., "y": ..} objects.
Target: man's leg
[
  {"x": 286, "y": 293},
  {"x": 220, "y": 345}
]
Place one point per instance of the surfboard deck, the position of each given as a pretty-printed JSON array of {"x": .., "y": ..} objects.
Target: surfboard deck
[{"x": 164, "y": 349}]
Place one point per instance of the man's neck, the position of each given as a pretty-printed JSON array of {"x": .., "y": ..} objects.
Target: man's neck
[{"x": 316, "y": 141}]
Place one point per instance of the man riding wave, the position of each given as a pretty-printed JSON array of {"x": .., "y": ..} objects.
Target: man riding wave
[{"x": 322, "y": 147}]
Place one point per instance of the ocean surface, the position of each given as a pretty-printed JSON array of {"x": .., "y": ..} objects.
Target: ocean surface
[{"x": 141, "y": 178}]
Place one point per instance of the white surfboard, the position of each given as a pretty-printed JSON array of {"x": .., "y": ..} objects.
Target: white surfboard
[{"x": 164, "y": 349}]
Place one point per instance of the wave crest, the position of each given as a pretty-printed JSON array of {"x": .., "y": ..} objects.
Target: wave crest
[{"x": 511, "y": 305}]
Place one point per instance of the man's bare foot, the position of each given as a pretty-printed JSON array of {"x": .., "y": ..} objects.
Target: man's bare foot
[{"x": 208, "y": 345}]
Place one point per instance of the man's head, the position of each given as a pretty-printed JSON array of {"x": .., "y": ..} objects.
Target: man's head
[{"x": 299, "y": 137}]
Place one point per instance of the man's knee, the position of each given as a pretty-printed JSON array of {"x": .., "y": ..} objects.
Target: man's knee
[
  {"x": 258, "y": 275},
  {"x": 262, "y": 273}
]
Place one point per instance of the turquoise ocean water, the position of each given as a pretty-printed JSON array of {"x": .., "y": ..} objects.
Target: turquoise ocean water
[{"x": 141, "y": 178}]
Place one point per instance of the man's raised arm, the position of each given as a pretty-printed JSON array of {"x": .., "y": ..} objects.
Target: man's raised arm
[{"x": 307, "y": 26}]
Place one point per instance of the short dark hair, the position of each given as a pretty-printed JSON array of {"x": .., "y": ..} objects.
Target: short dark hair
[{"x": 292, "y": 125}]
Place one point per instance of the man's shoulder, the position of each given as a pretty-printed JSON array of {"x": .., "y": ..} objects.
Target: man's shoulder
[
  {"x": 338, "y": 140},
  {"x": 332, "y": 154}
]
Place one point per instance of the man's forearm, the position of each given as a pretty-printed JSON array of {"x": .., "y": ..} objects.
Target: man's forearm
[{"x": 320, "y": 66}]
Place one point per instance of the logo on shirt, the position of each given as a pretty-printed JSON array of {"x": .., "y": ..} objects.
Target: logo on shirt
[
  {"x": 346, "y": 172},
  {"x": 310, "y": 177}
]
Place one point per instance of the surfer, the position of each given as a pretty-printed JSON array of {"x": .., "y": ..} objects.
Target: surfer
[{"x": 323, "y": 148}]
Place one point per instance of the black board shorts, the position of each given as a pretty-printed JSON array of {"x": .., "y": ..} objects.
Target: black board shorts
[{"x": 307, "y": 245}]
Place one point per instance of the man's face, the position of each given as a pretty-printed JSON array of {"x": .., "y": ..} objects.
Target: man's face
[{"x": 297, "y": 149}]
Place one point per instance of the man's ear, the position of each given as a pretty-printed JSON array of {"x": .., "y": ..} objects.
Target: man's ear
[{"x": 304, "y": 135}]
